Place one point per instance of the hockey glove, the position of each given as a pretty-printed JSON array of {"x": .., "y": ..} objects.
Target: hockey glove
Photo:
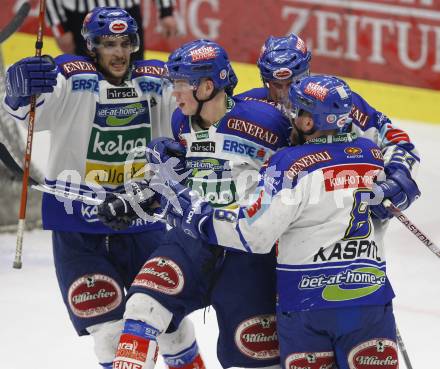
[
  {"x": 399, "y": 188},
  {"x": 160, "y": 151},
  {"x": 29, "y": 76},
  {"x": 119, "y": 209},
  {"x": 192, "y": 216}
]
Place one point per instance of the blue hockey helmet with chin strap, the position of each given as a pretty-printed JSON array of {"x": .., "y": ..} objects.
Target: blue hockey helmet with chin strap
[
  {"x": 283, "y": 58},
  {"x": 109, "y": 21},
  {"x": 200, "y": 59},
  {"x": 327, "y": 98}
]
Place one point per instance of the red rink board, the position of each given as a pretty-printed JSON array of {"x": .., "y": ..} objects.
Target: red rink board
[{"x": 393, "y": 41}]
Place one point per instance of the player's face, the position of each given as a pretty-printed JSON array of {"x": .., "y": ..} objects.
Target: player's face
[
  {"x": 183, "y": 91},
  {"x": 114, "y": 57},
  {"x": 279, "y": 90}
]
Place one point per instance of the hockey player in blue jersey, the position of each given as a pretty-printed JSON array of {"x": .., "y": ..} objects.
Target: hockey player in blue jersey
[
  {"x": 226, "y": 142},
  {"x": 334, "y": 297},
  {"x": 98, "y": 109},
  {"x": 285, "y": 59}
]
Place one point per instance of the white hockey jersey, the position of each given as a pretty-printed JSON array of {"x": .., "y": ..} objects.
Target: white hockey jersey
[
  {"x": 313, "y": 202},
  {"x": 95, "y": 128}
]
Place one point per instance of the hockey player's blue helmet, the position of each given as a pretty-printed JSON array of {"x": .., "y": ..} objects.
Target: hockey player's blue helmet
[
  {"x": 327, "y": 98},
  {"x": 200, "y": 59},
  {"x": 284, "y": 58},
  {"x": 109, "y": 21}
]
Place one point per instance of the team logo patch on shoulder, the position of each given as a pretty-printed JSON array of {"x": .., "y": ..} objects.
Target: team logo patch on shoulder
[
  {"x": 203, "y": 53},
  {"x": 353, "y": 151},
  {"x": 253, "y": 130},
  {"x": 359, "y": 116},
  {"x": 150, "y": 69},
  {"x": 93, "y": 295},
  {"x": 377, "y": 154},
  {"x": 311, "y": 360},
  {"x": 375, "y": 353},
  {"x": 307, "y": 161},
  {"x": 77, "y": 66},
  {"x": 317, "y": 91},
  {"x": 282, "y": 73},
  {"x": 257, "y": 337},
  {"x": 161, "y": 274},
  {"x": 118, "y": 26}
]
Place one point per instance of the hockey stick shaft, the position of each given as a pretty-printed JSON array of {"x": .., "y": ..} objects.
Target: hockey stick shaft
[
  {"x": 28, "y": 152},
  {"x": 68, "y": 195},
  {"x": 7, "y": 159},
  {"x": 402, "y": 349},
  {"x": 15, "y": 23},
  {"x": 421, "y": 236}
]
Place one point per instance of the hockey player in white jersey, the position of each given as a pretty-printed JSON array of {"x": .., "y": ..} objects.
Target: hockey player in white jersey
[
  {"x": 334, "y": 297},
  {"x": 98, "y": 109},
  {"x": 286, "y": 59}
]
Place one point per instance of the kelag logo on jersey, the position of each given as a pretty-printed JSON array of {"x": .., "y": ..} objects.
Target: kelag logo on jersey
[
  {"x": 206, "y": 146},
  {"x": 85, "y": 83},
  {"x": 117, "y": 131}
]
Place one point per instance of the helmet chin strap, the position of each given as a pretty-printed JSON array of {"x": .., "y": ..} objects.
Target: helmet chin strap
[
  {"x": 200, "y": 103},
  {"x": 300, "y": 135}
]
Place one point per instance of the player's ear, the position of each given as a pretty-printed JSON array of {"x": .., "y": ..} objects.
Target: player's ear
[
  {"x": 308, "y": 124},
  {"x": 209, "y": 85}
]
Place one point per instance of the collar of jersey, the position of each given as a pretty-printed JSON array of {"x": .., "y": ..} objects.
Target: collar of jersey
[{"x": 337, "y": 138}]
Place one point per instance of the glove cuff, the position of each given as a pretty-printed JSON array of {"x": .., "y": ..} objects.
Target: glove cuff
[{"x": 408, "y": 185}]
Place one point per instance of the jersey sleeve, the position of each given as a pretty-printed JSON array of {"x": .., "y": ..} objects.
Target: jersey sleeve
[
  {"x": 397, "y": 148},
  {"x": 257, "y": 227}
]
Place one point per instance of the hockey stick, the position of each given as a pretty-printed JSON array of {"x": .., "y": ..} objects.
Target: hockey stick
[
  {"x": 77, "y": 197},
  {"x": 15, "y": 23},
  {"x": 67, "y": 194},
  {"x": 10, "y": 163},
  {"x": 402, "y": 349},
  {"x": 27, "y": 156},
  {"x": 412, "y": 227}
]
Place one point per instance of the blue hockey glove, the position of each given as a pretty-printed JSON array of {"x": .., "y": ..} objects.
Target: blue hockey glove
[
  {"x": 29, "y": 76},
  {"x": 118, "y": 210},
  {"x": 193, "y": 215},
  {"x": 399, "y": 188},
  {"x": 160, "y": 151}
]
